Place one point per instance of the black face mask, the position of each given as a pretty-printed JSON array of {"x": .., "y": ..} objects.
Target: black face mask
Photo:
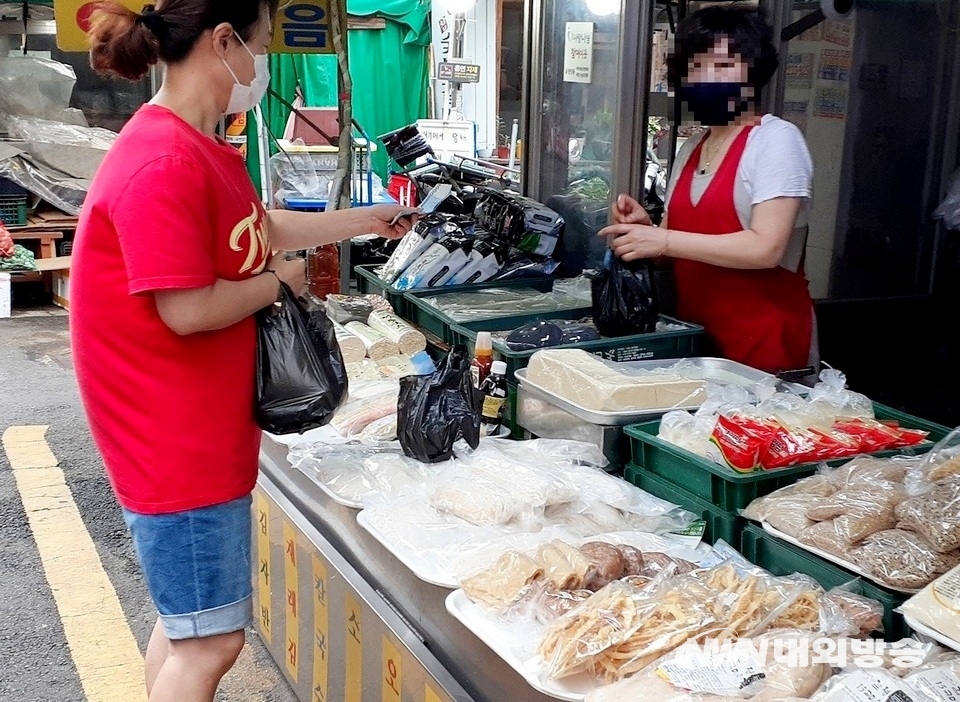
[{"x": 710, "y": 103}]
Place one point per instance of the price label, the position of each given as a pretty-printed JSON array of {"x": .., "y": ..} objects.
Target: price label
[
  {"x": 292, "y": 588},
  {"x": 263, "y": 566},
  {"x": 321, "y": 663},
  {"x": 391, "y": 671},
  {"x": 354, "y": 646}
]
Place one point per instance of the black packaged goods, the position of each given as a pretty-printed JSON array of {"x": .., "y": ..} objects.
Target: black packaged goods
[
  {"x": 435, "y": 411},
  {"x": 624, "y": 298},
  {"x": 301, "y": 376},
  {"x": 546, "y": 334}
]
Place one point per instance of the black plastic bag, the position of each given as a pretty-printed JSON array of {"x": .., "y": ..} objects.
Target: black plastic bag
[
  {"x": 624, "y": 298},
  {"x": 436, "y": 410},
  {"x": 301, "y": 376}
]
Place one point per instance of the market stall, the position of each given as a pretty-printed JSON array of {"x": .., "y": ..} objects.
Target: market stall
[{"x": 463, "y": 576}]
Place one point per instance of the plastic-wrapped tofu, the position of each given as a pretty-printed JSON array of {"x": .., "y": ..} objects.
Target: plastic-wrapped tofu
[{"x": 588, "y": 381}]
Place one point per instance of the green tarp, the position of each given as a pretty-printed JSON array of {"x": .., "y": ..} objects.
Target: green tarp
[{"x": 389, "y": 67}]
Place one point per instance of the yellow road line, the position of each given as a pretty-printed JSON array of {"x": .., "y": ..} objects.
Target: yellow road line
[{"x": 103, "y": 648}]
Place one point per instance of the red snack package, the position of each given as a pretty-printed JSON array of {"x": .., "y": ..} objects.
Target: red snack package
[
  {"x": 787, "y": 448},
  {"x": 872, "y": 435},
  {"x": 740, "y": 440}
]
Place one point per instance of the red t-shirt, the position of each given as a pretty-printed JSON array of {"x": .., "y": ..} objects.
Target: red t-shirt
[{"x": 173, "y": 416}]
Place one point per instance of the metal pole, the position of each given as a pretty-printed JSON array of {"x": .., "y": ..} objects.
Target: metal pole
[
  {"x": 633, "y": 97},
  {"x": 532, "y": 98}
]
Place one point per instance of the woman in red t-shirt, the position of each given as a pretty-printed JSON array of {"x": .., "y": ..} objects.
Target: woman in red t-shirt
[{"x": 173, "y": 256}]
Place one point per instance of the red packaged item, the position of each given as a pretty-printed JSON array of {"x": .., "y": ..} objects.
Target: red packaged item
[
  {"x": 912, "y": 437},
  {"x": 872, "y": 435},
  {"x": 740, "y": 441},
  {"x": 833, "y": 444},
  {"x": 788, "y": 448}
]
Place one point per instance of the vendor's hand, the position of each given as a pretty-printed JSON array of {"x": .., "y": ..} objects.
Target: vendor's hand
[
  {"x": 631, "y": 242},
  {"x": 626, "y": 210},
  {"x": 292, "y": 272},
  {"x": 381, "y": 217}
]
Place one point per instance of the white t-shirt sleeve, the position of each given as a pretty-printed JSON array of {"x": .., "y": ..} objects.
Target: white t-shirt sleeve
[
  {"x": 777, "y": 163},
  {"x": 683, "y": 156}
]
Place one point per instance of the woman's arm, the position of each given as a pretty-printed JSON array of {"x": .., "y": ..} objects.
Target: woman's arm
[
  {"x": 762, "y": 246},
  {"x": 227, "y": 302},
  {"x": 293, "y": 231}
]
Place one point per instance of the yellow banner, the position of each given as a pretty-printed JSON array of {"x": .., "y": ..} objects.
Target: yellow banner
[
  {"x": 353, "y": 688},
  {"x": 263, "y": 566},
  {"x": 321, "y": 665},
  {"x": 291, "y": 583},
  {"x": 300, "y": 26},
  {"x": 392, "y": 677}
]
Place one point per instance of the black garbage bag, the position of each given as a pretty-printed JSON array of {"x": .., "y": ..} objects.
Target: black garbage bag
[
  {"x": 436, "y": 410},
  {"x": 624, "y": 298},
  {"x": 301, "y": 376}
]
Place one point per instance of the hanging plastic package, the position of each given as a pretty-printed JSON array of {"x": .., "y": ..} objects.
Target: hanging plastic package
[
  {"x": 424, "y": 235},
  {"x": 301, "y": 376},
  {"x": 624, "y": 298},
  {"x": 485, "y": 261},
  {"x": 441, "y": 262},
  {"x": 435, "y": 411}
]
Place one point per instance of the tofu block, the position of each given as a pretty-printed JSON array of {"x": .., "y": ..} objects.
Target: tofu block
[{"x": 588, "y": 381}]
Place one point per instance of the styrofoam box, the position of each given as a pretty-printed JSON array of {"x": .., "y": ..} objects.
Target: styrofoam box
[{"x": 4, "y": 295}]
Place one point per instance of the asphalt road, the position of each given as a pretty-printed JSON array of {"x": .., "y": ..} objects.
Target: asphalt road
[{"x": 37, "y": 387}]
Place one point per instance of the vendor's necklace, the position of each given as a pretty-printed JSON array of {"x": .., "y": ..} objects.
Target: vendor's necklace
[{"x": 716, "y": 150}]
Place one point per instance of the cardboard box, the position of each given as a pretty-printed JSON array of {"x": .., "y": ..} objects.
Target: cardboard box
[
  {"x": 59, "y": 269},
  {"x": 4, "y": 295},
  {"x": 61, "y": 289}
]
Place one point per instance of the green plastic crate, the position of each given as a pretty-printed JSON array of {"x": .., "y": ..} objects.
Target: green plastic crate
[
  {"x": 728, "y": 489},
  {"x": 369, "y": 283},
  {"x": 13, "y": 210},
  {"x": 682, "y": 343},
  {"x": 431, "y": 319},
  {"x": 781, "y": 558},
  {"x": 719, "y": 523}
]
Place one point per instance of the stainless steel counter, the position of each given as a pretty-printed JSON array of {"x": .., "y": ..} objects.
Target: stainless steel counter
[{"x": 414, "y": 611}]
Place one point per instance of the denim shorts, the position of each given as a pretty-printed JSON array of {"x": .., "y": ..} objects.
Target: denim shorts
[{"x": 197, "y": 567}]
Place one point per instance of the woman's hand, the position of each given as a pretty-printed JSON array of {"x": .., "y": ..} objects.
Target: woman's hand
[
  {"x": 631, "y": 242},
  {"x": 626, "y": 210},
  {"x": 292, "y": 272},
  {"x": 384, "y": 222}
]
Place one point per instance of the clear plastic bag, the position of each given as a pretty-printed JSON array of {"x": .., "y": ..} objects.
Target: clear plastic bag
[
  {"x": 939, "y": 682},
  {"x": 941, "y": 462},
  {"x": 366, "y": 404},
  {"x": 37, "y": 87},
  {"x": 845, "y": 613},
  {"x": 867, "y": 685},
  {"x": 935, "y": 514},
  {"x": 902, "y": 559},
  {"x": 832, "y": 397},
  {"x": 748, "y": 670}
]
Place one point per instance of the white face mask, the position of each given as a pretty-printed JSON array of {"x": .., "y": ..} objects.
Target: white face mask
[{"x": 244, "y": 98}]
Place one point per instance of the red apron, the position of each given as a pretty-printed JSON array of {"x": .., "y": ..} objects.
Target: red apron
[{"x": 763, "y": 318}]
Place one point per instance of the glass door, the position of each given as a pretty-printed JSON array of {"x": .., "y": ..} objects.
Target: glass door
[{"x": 582, "y": 107}]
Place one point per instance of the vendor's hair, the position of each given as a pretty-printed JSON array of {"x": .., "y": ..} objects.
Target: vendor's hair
[
  {"x": 750, "y": 37},
  {"x": 126, "y": 44}
]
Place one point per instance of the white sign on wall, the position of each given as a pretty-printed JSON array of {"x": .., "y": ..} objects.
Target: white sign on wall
[{"x": 578, "y": 52}]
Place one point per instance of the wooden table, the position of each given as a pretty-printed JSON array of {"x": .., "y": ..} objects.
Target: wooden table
[{"x": 43, "y": 230}]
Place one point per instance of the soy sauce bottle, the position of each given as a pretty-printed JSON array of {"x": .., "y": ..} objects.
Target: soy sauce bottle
[{"x": 494, "y": 390}]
